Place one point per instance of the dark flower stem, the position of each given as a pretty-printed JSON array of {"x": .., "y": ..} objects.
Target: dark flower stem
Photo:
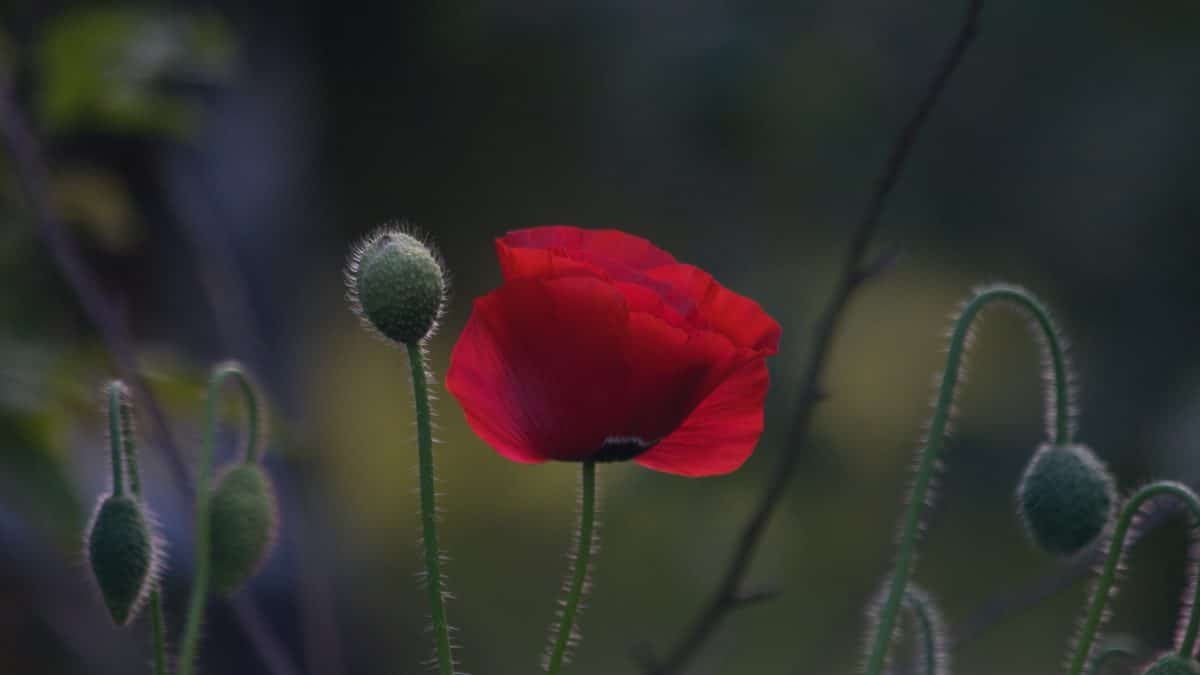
[
  {"x": 433, "y": 554},
  {"x": 579, "y": 576},
  {"x": 128, "y": 441},
  {"x": 928, "y": 459},
  {"x": 204, "y": 469},
  {"x": 1186, "y": 641},
  {"x": 857, "y": 269}
]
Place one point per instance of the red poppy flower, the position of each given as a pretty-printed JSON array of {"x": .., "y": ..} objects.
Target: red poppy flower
[{"x": 601, "y": 346}]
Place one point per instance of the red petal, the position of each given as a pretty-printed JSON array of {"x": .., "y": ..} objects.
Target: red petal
[
  {"x": 671, "y": 371},
  {"x": 720, "y": 434},
  {"x": 539, "y": 368},
  {"x": 547, "y": 251},
  {"x": 738, "y": 317},
  {"x": 550, "y": 369}
]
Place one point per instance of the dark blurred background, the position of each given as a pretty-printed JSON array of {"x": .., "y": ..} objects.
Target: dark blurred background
[{"x": 216, "y": 160}]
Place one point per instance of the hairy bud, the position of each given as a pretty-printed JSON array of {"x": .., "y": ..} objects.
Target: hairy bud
[
  {"x": 122, "y": 551},
  {"x": 244, "y": 523},
  {"x": 1173, "y": 664},
  {"x": 1065, "y": 498},
  {"x": 397, "y": 286}
]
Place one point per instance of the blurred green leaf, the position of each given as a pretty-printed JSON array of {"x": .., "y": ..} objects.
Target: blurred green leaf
[
  {"x": 99, "y": 202},
  {"x": 127, "y": 70},
  {"x": 40, "y": 488}
]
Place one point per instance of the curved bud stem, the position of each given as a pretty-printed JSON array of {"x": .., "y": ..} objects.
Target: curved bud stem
[
  {"x": 433, "y": 554},
  {"x": 158, "y": 631},
  {"x": 1058, "y": 417},
  {"x": 204, "y": 470},
  {"x": 1123, "y": 648},
  {"x": 1188, "y": 630},
  {"x": 578, "y": 578},
  {"x": 932, "y": 655},
  {"x": 255, "y": 436},
  {"x": 124, "y": 443}
]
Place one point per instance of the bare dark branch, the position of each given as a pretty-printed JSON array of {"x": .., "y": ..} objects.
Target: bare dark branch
[
  {"x": 855, "y": 271},
  {"x": 34, "y": 177}
]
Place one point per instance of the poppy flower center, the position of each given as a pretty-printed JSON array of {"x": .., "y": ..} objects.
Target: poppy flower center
[{"x": 622, "y": 448}]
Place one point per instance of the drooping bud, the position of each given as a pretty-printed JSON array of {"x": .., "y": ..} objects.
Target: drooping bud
[
  {"x": 244, "y": 523},
  {"x": 123, "y": 553},
  {"x": 1065, "y": 498},
  {"x": 397, "y": 286},
  {"x": 1173, "y": 664}
]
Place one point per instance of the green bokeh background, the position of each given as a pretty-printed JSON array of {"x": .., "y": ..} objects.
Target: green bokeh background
[{"x": 741, "y": 137}]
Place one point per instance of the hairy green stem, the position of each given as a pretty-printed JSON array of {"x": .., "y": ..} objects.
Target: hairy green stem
[
  {"x": 254, "y": 431},
  {"x": 1110, "y": 652},
  {"x": 158, "y": 632},
  {"x": 433, "y": 555},
  {"x": 122, "y": 435},
  {"x": 583, "y": 554},
  {"x": 931, "y": 651},
  {"x": 927, "y": 463},
  {"x": 1112, "y": 562},
  {"x": 199, "y": 595}
]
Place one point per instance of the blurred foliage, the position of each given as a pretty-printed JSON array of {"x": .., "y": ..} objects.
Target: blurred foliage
[
  {"x": 100, "y": 202},
  {"x": 8, "y": 56},
  {"x": 123, "y": 69}
]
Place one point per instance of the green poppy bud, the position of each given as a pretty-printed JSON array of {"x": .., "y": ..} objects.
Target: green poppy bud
[
  {"x": 1065, "y": 498},
  {"x": 123, "y": 553},
  {"x": 397, "y": 286},
  {"x": 244, "y": 522},
  {"x": 1173, "y": 664}
]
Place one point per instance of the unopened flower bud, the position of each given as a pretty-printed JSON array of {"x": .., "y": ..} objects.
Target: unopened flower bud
[
  {"x": 244, "y": 523},
  {"x": 122, "y": 551},
  {"x": 1065, "y": 498},
  {"x": 397, "y": 286}
]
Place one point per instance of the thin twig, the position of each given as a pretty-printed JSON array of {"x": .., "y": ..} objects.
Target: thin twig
[
  {"x": 34, "y": 177},
  {"x": 856, "y": 270}
]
